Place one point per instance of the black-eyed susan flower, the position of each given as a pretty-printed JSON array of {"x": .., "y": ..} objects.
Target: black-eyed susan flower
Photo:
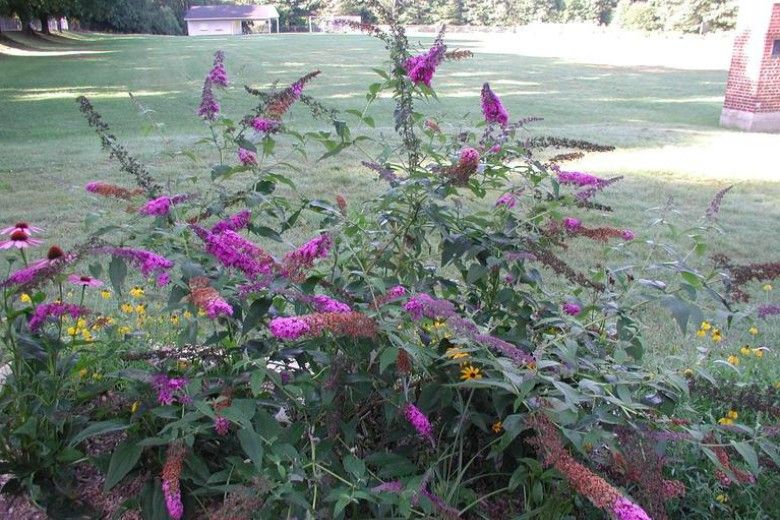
[
  {"x": 758, "y": 352},
  {"x": 186, "y": 315},
  {"x": 140, "y": 309},
  {"x": 470, "y": 372},
  {"x": 717, "y": 337},
  {"x": 25, "y": 298},
  {"x": 127, "y": 308},
  {"x": 733, "y": 360},
  {"x": 456, "y": 353},
  {"x": 701, "y": 333},
  {"x": 497, "y": 426},
  {"x": 753, "y": 330},
  {"x": 722, "y": 498},
  {"x": 105, "y": 294},
  {"x": 705, "y": 326},
  {"x": 137, "y": 292},
  {"x": 124, "y": 329},
  {"x": 732, "y": 414},
  {"x": 746, "y": 350}
]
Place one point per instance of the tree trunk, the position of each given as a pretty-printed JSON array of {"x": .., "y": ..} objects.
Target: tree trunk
[
  {"x": 44, "y": 18},
  {"x": 59, "y": 24},
  {"x": 26, "y": 29}
]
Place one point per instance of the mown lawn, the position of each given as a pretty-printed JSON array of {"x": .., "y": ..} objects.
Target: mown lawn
[{"x": 663, "y": 121}]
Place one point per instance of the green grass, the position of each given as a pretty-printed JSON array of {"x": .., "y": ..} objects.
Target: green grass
[{"x": 664, "y": 123}]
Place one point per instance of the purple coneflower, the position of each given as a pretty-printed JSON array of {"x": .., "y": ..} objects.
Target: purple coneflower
[
  {"x": 84, "y": 281},
  {"x": 22, "y": 227},
  {"x": 20, "y": 239}
]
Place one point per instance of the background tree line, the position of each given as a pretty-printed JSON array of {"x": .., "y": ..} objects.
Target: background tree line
[{"x": 167, "y": 16}]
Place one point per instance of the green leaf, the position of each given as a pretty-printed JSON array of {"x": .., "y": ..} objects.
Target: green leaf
[
  {"x": 99, "y": 428},
  {"x": 354, "y": 465},
  {"x": 123, "y": 460},
  {"x": 252, "y": 444},
  {"x": 117, "y": 272},
  {"x": 387, "y": 358},
  {"x": 749, "y": 454},
  {"x": 256, "y": 311},
  {"x": 691, "y": 278}
]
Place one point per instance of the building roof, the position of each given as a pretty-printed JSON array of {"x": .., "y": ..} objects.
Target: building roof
[{"x": 231, "y": 12}]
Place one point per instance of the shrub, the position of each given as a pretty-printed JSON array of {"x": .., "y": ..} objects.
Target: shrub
[{"x": 425, "y": 353}]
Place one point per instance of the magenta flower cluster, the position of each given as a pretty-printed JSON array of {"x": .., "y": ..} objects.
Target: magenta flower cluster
[
  {"x": 173, "y": 501},
  {"x": 507, "y": 200},
  {"x": 469, "y": 157},
  {"x": 579, "y": 178},
  {"x": 288, "y": 328},
  {"x": 572, "y": 224},
  {"x": 161, "y": 206},
  {"x": 624, "y": 509},
  {"x": 233, "y": 223},
  {"x": 421, "y": 68},
  {"x": 327, "y": 304},
  {"x": 218, "y": 75},
  {"x": 304, "y": 256},
  {"x": 218, "y": 307},
  {"x": 571, "y": 308},
  {"x": 145, "y": 261},
  {"x": 209, "y": 106},
  {"x": 170, "y": 389},
  {"x": 422, "y": 305},
  {"x": 55, "y": 310},
  {"x": 419, "y": 421},
  {"x": 492, "y": 108},
  {"x": 247, "y": 157},
  {"x": 234, "y": 251},
  {"x": 628, "y": 235},
  {"x": 264, "y": 126},
  {"x": 221, "y": 425}
]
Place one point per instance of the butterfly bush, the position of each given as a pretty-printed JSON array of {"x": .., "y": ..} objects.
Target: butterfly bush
[{"x": 420, "y": 353}]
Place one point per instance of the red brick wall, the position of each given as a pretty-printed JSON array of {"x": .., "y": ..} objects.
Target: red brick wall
[{"x": 754, "y": 80}]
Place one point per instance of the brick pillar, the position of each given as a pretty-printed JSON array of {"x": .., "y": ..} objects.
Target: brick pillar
[{"x": 753, "y": 88}]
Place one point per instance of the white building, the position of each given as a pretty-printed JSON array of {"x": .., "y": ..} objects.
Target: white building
[{"x": 227, "y": 19}]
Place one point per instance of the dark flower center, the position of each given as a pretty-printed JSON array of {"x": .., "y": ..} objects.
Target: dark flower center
[
  {"x": 19, "y": 236},
  {"x": 55, "y": 252},
  {"x": 22, "y": 225},
  {"x": 86, "y": 279}
]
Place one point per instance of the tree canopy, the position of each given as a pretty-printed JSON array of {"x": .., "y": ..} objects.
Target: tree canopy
[{"x": 167, "y": 16}]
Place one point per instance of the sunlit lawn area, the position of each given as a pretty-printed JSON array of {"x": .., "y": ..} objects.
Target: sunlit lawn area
[{"x": 663, "y": 121}]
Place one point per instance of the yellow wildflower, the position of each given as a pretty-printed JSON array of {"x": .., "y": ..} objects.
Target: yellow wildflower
[
  {"x": 182, "y": 364},
  {"x": 725, "y": 421},
  {"x": 72, "y": 331},
  {"x": 722, "y": 498},
  {"x": 175, "y": 319},
  {"x": 25, "y": 298},
  {"x": 87, "y": 335},
  {"x": 81, "y": 323},
  {"x": 759, "y": 352},
  {"x": 83, "y": 373},
  {"x": 202, "y": 313},
  {"x": 140, "y": 309},
  {"x": 135, "y": 406},
  {"x": 705, "y": 325},
  {"x": 777, "y": 384},
  {"x": 105, "y": 294},
  {"x": 717, "y": 337},
  {"x": 497, "y": 427},
  {"x": 767, "y": 287},
  {"x": 124, "y": 329},
  {"x": 745, "y": 350},
  {"x": 126, "y": 308},
  {"x": 186, "y": 315},
  {"x": 469, "y": 372},
  {"x": 137, "y": 292},
  {"x": 701, "y": 333},
  {"x": 456, "y": 353},
  {"x": 732, "y": 414},
  {"x": 97, "y": 377},
  {"x": 688, "y": 373},
  {"x": 733, "y": 360},
  {"x": 753, "y": 330}
]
